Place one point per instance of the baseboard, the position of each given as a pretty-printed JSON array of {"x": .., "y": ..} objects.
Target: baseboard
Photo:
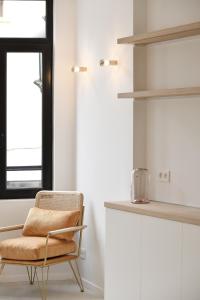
[
  {"x": 94, "y": 288},
  {"x": 88, "y": 285}
]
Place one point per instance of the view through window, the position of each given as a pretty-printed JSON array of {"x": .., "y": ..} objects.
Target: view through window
[
  {"x": 24, "y": 129},
  {"x": 22, "y": 18}
]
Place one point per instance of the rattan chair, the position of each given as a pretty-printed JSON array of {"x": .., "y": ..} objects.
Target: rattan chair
[{"x": 50, "y": 200}]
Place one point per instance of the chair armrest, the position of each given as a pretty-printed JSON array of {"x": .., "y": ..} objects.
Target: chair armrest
[
  {"x": 60, "y": 231},
  {"x": 11, "y": 228},
  {"x": 68, "y": 229}
]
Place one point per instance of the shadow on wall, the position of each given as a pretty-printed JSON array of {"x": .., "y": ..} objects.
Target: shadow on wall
[{"x": 94, "y": 247}]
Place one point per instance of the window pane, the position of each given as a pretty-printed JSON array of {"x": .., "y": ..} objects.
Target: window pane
[
  {"x": 24, "y": 115},
  {"x": 22, "y": 19},
  {"x": 23, "y": 179}
]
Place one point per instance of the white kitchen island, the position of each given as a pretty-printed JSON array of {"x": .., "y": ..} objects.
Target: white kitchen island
[{"x": 152, "y": 251}]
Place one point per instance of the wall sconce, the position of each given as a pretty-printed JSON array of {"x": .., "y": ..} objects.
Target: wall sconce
[
  {"x": 77, "y": 69},
  {"x": 106, "y": 62}
]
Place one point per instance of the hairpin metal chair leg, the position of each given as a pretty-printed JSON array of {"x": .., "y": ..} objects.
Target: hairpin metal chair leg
[
  {"x": 29, "y": 277},
  {"x": 31, "y": 274},
  {"x": 44, "y": 282},
  {"x": 82, "y": 290},
  {"x": 1, "y": 269},
  {"x": 77, "y": 275}
]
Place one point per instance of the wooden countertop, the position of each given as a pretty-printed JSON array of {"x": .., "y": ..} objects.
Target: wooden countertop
[{"x": 174, "y": 212}]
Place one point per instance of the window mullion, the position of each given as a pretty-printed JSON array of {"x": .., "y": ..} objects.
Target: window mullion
[{"x": 2, "y": 120}]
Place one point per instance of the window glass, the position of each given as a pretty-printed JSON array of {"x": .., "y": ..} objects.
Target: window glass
[
  {"x": 24, "y": 179},
  {"x": 22, "y": 19},
  {"x": 24, "y": 120}
]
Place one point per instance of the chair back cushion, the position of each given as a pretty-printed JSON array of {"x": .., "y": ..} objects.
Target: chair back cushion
[{"x": 40, "y": 221}]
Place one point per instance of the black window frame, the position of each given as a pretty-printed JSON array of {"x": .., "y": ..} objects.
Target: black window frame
[{"x": 45, "y": 46}]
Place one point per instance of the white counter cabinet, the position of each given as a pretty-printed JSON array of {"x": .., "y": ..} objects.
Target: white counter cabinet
[
  {"x": 122, "y": 253},
  {"x": 152, "y": 257}
]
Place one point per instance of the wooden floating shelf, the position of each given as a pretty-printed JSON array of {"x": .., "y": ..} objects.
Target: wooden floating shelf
[
  {"x": 167, "y": 34},
  {"x": 169, "y": 211},
  {"x": 125, "y": 95},
  {"x": 161, "y": 93}
]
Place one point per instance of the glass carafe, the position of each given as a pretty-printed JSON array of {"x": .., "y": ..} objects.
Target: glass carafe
[{"x": 140, "y": 186}]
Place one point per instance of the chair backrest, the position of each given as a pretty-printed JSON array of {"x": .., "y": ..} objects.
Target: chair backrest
[
  {"x": 54, "y": 200},
  {"x": 70, "y": 200}
]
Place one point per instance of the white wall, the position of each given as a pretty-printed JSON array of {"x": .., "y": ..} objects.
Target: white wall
[
  {"x": 15, "y": 211},
  {"x": 104, "y": 123},
  {"x": 173, "y": 126},
  {"x": 166, "y": 130},
  {"x": 64, "y": 93}
]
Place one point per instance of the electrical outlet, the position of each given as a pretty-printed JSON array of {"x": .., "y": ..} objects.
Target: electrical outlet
[
  {"x": 83, "y": 254},
  {"x": 164, "y": 176}
]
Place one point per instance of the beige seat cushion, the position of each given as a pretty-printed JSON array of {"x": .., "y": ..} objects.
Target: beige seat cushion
[
  {"x": 33, "y": 248},
  {"x": 40, "y": 221}
]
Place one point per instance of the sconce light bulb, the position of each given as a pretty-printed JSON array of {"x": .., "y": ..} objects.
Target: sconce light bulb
[
  {"x": 107, "y": 62},
  {"x": 77, "y": 69}
]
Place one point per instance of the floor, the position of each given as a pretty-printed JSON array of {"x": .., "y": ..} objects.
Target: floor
[{"x": 58, "y": 290}]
